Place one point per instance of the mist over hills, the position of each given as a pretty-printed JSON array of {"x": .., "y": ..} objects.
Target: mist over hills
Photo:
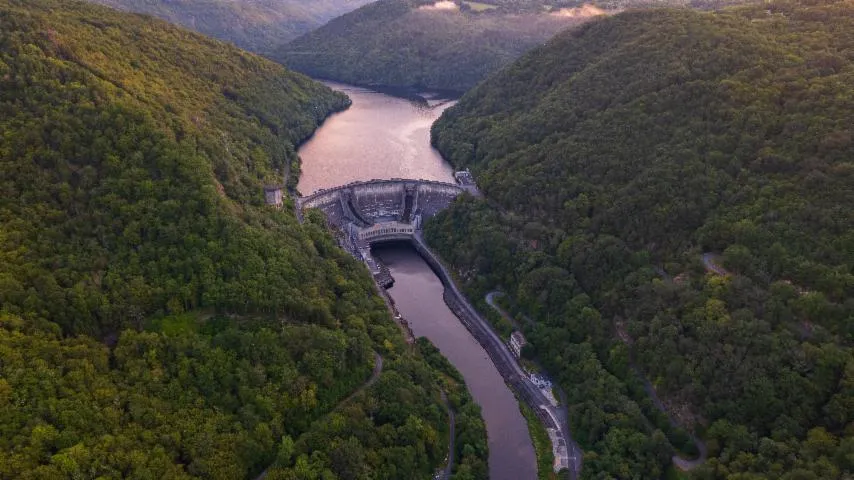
[{"x": 256, "y": 25}]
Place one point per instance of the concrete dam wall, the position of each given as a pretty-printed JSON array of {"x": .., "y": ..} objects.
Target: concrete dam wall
[{"x": 375, "y": 201}]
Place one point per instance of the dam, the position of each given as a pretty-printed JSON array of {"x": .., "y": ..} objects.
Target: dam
[
  {"x": 374, "y": 211},
  {"x": 366, "y": 213}
]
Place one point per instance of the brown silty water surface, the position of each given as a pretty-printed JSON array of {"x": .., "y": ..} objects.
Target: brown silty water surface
[
  {"x": 383, "y": 137},
  {"x": 378, "y": 137},
  {"x": 417, "y": 293}
]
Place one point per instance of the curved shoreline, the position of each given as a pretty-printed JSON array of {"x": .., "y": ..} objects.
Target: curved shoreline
[{"x": 512, "y": 373}]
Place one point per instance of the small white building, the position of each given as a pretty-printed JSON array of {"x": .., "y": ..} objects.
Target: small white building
[
  {"x": 464, "y": 177},
  {"x": 517, "y": 341},
  {"x": 273, "y": 195}
]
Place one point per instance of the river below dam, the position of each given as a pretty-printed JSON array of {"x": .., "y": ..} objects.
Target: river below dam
[{"x": 381, "y": 137}]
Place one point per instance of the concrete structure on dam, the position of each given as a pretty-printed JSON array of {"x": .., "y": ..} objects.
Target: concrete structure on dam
[
  {"x": 363, "y": 204},
  {"x": 365, "y": 213}
]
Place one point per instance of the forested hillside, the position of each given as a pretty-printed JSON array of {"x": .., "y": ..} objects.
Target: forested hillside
[
  {"x": 157, "y": 320},
  {"x": 668, "y": 207},
  {"x": 256, "y": 25},
  {"x": 442, "y": 45},
  {"x": 413, "y": 43}
]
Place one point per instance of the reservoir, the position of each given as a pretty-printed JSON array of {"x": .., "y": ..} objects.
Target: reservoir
[{"x": 380, "y": 137}]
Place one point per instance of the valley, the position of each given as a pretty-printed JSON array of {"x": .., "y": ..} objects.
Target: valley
[{"x": 524, "y": 239}]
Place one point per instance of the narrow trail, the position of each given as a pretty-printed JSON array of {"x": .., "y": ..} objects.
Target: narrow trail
[
  {"x": 712, "y": 266},
  {"x": 679, "y": 462},
  {"x": 375, "y": 375},
  {"x": 490, "y": 300},
  {"x": 452, "y": 424}
]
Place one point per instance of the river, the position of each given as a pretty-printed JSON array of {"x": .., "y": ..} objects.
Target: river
[{"x": 378, "y": 137}]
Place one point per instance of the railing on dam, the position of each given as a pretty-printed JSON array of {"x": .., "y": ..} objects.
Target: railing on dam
[
  {"x": 384, "y": 230},
  {"x": 366, "y": 204},
  {"x": 322, "y": 195}
]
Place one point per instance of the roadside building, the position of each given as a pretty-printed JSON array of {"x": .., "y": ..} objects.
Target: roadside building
[
  {"x": 273, "y": 195},
  {"x": 517, "y": 342}
]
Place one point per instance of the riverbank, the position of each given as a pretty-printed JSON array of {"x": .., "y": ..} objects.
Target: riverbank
[
  {"x": 567, "y": 453},
  {"x": 542, "y": 444}
]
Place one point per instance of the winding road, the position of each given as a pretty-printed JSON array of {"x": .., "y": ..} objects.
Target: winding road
[
  {"x": 574, "y": 453},
  {"x": 490, "y": 300},
  {"x": 375, "y": 375},
  {"x": 711, "y": 266},
  {"x": 681, "y": 463},
  {"x": 452, "y": 424}
]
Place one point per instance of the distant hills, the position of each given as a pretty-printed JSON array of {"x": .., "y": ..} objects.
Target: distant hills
[
  {"x": 667, "y": 208},
  {"x": 256, "y": 25},
  {"x": 439, "y": 45},
  {"x": 409, "y": 43}
]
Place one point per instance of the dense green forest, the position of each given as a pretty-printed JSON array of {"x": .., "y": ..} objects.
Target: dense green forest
[
  {"x": 408, "y": 43},
  {"x": 256, "y": 25},
  {"x": 390, "y": 401},
  {"x": 157, "y": 320},
  {"x": 668, "y": 200}
]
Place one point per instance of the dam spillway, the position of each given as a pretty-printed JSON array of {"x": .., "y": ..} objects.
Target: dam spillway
[
  {"x": 369, "y": 212},
  {"x": 377, "y": 201}
]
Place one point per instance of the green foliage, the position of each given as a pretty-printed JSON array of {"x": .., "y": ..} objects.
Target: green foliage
[
  {"x": 612, "y": 159},
  {"x": 542, "y": 444},
  {"x": 396, "y": 428},
  {"x": 157, "y": 320},
  {"x": 396, "y": 43},
  {"x": 131, "y": 176},
  {"x": 165, "y": 406},
  {"x": 255, "y": 25},
  {"x": 470, "y": 442}
]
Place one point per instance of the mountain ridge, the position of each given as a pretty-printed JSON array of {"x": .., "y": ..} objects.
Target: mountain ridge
[{"x": 398, "y": 43}]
